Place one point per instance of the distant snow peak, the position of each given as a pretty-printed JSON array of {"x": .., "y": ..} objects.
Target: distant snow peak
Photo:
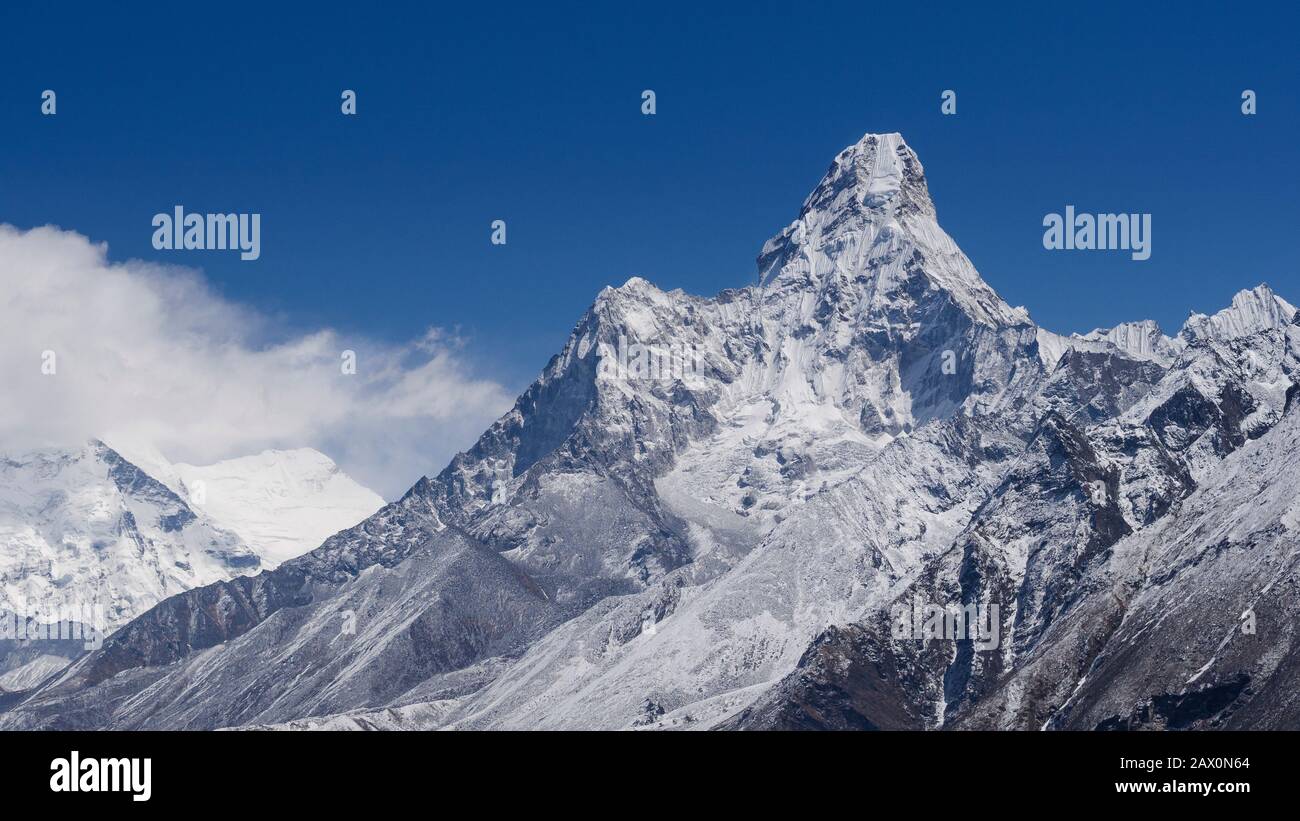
[
  {"x": 87, "y": 528},
  {"x": 280, "y": 502},
  {"x": 1254, "y": 310},
  {"x": 1140, "y": 340}
]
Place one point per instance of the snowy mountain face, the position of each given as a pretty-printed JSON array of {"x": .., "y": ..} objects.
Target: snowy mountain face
[
  {"x": 86, "y": 530},
  {"x": 1055, "y": 547},
  {"x": 707, "y": 512},
  {"x": 92, "y": 539},
  {"x": 283, "y": 503}
]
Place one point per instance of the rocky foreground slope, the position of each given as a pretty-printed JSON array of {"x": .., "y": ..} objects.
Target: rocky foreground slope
[{"x": 711, "y": 512}]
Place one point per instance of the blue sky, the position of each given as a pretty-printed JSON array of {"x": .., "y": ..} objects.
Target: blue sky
[{"x": 379, "y": 224}]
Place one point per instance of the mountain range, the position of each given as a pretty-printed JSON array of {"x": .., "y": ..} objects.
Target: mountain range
[{"x": 867, "y": 428}]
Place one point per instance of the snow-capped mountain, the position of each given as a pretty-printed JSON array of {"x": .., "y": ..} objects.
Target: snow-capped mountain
[
  {"x": 87, "y": 529},
  {"x": 280, "y": 502},
  {"x": 724, "y": 544},
  {"x": 90, "y": 538}
]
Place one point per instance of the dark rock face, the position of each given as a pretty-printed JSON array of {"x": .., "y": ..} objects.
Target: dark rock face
[
  {"x": 1103, "y": 385},
  {"x": 1185, "y": 417},
  {"x": 888, "y": 673},
  {"x": 651, "y": 712},
  {"x": 848, "y": 679},
  {"x": 1188, "y": 415},
  {"x": 1205, "y": 708},
  {"x": 1189, "y": 625}
]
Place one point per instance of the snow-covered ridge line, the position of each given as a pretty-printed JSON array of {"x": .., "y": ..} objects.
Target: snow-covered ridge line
[{"x": 1252, "y": 311}]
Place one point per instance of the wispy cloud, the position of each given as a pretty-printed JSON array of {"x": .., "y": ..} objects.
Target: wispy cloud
[{"x": 149, "y": 356}]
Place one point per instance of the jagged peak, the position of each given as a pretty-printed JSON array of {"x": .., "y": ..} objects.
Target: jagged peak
[
  {"x": 631, "y": 306},
  {"x": 870, "y": 220},
  {"x": 875, "y": 180},
  {"x": 1252, "y": 310},
  {"x": 1142, "y": 327},
  {"x": 1142, "y": 339},
  {"x": 880, "y": 172},
  {"x": 636, "y": 290},
  {"x": 634, "y": 284}
]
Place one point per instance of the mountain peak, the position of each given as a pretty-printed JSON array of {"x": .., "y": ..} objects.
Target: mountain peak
[
  {"x": 877, "y": 179},
  {"x": 281, "y": 502},
  {"x": 879, "y": 172},
  {"x": 1141, "y": 340},
  {"x": 1252, "y": 310},
  {"x": 870, "y": 221}
]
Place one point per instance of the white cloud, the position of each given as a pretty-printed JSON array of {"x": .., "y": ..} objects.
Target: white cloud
[{"x": 148, "y": 356}]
